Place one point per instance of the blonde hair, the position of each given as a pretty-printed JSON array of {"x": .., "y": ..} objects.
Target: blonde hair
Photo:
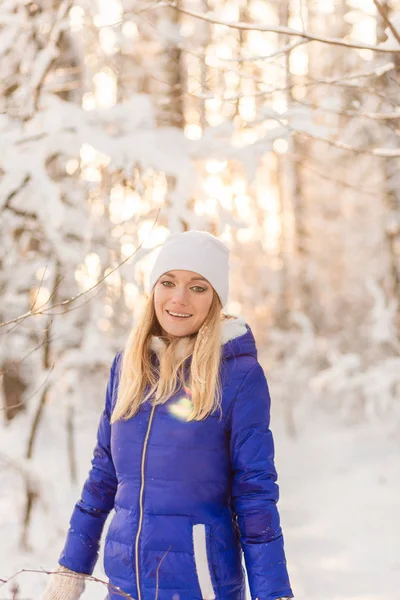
[{"x": 140, "y": 378}]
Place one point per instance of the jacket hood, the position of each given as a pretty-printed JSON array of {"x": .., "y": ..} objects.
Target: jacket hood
[{"x": 236, "y": 339}]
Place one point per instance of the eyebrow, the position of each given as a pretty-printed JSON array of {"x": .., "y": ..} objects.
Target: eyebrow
[{"x": 192, "y": 279}]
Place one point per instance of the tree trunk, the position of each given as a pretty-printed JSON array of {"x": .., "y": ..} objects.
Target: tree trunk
[
  {"x": 13, "y": 389},
  {"x": 30, "y": 488},
  {"x": 171, "y": 95},
  {"x": 391, "y": 170},
  {"x": 293, "y": 248}
]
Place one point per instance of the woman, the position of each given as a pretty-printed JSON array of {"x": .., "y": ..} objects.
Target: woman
[{"x": 184, "y": 452}]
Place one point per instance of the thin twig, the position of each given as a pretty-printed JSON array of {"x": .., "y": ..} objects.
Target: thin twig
[
  {"x": 378, "y": 152},
  {"x": 282, "y": 50},
  {"x": 288, "y": 31},
  {"x": 38, "y": 290},
  {"x": 117, "y": 591},
  {"x": 157, "y": 570},
  {"x": 85, "y": 292},
  {"x": 381, "y": 10}
]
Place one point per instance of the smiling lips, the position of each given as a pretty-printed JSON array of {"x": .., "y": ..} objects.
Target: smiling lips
[{"x": 180, "y": 315}]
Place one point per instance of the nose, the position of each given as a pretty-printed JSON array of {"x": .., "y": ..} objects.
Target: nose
[{"x": 180, "y": 296}]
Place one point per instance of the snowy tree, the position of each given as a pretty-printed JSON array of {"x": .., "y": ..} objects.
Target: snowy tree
[{"x": 272, "y": 125}]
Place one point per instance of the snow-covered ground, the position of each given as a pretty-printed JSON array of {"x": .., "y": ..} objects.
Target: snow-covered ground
[
  {"x": 340, "y": 491},
  {"x": 339, "y": 506}
]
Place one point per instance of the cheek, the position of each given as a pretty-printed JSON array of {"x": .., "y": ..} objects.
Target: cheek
[
  {"x": 159, "y": 300},
  {"x": 204, "y": 304}
]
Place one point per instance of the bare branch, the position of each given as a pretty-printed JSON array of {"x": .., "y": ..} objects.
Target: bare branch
[
  {"x": 381, "y": 10},
  {"x": 15, "y": 192},
  {"x": 39, "y": 288},
  {"x": 370, "y": 191},
  {"x": 115, "y": 590},
  {"x": 65, "y": 303},
  {"x": 379, "y": 152},
  {"x": 283, "y": 50},
  {"x": 338, "y": 80},
  {"x": 288, "y": 31}
]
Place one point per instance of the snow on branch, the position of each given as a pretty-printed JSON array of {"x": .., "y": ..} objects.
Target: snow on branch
[{"x": 45, "y": 58}]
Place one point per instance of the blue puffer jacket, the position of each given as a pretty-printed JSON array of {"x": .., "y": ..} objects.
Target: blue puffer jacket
[{"x": 188, "y": 496}]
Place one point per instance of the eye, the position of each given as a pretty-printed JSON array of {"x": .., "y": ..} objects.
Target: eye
[
  {"x": 167, "y": 283},
  {"x": 198, "y": 288}
]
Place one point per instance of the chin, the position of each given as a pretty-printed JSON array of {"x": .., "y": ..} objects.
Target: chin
[{"x": 178, "y": 332}]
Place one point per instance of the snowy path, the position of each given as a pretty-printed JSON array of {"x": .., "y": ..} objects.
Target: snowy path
[{"x": 340, "y": 509}]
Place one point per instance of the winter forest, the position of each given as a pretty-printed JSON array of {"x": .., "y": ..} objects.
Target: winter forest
[{"x": 273, "y": 124}]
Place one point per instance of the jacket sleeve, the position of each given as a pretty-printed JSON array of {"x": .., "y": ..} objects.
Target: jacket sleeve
[
  {"x": 255, "y": 492},
  {"x": 81, "y": 548}
]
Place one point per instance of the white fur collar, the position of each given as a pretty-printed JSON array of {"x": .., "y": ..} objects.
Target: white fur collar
[{"x": 231, "y": 328}]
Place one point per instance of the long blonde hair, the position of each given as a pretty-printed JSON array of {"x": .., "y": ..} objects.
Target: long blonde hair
[{"x": 140, "y": 378}]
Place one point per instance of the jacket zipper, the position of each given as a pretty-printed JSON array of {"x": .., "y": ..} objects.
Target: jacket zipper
[{"x": 146, "y": 439}]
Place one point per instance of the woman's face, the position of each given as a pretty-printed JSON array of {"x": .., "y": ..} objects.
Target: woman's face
[{"x": 182, "y": 300}]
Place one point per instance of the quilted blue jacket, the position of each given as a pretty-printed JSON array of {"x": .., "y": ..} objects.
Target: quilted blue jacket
[{"x": 188, "y": 497}]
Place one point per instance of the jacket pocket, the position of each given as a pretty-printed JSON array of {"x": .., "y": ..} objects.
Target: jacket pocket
[{"x": 200, "y": 534}]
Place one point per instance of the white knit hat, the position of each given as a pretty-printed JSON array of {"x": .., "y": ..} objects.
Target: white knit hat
[{"x": 197, "y": 251}]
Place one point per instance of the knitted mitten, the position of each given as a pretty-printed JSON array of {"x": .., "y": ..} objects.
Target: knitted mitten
[{"x": 64, "y": 587}]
